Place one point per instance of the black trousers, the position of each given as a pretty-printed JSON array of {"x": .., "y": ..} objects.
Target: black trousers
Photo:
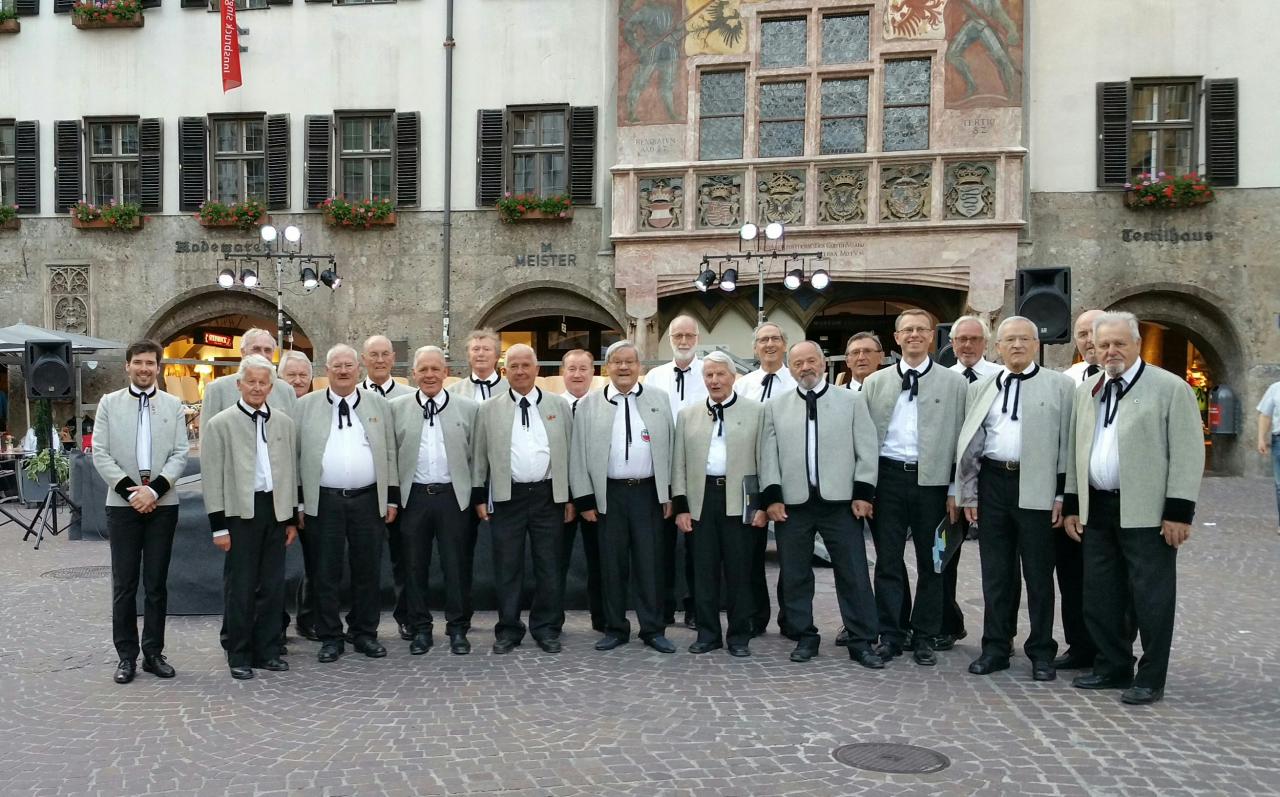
[
  {"x": 673, "y": 602},
  {"x": 630, "y": 550},
  {"x": 395, "y": 547},
  {"x": 952, "y": 614},
  {"x": 432, "y": 515},
  {"x": 1011, "y": 535},
  {"x": 834, "y": 521},
  {"x": 904, "y": 613},
  {"x": 1069, "y": 564},
  {"x": 761, "y": 602},
  {"x": 531, "y": 513},
  {"x": 903, "y": 507},
  {"x": 591, "y": 552},
  {"x": 1123, "y": 568},
  {"x": 722, "y": 543},
  {"x": 253, "y": 585},
  {"x": 140, "y": 544},
  {"x": 347, "y": 527}
]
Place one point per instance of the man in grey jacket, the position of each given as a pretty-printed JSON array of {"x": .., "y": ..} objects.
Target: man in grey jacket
[
  {"x": 1010, "y": 473},
  {"x": 222, "y": 392},
  {"x": 140, "y": 450},
  {"x": 1133, "y": 476}
]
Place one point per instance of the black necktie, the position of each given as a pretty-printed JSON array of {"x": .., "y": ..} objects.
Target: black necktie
[
  {"x": 911, "y": 381},
  {"x": 680, "y": 380},
  {"x": 1111, "y": 399},
  {"x": 483, "y": 386},
  {"x": 262, "y": 426},
  {"x": 574, "y": 408},
  {"x": 1092, "y": 370},
  {"x": 767, "y": 385},
  {"x": 524, "y": 411},
  {"x": 811, "y": 401},
  {"x": 626, "y": 414},
  {"x": 716, "y": 411},
  {"x": 1009, "y": 387},
  {"x": 430, "y": 409},
  {"x": 971, "y": 375},
  {"x": 344, "y": 411},
  {"x": 375, "y": 386}
]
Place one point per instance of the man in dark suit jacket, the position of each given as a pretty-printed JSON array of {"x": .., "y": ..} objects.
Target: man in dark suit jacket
[{"x": 1133, "y": 476}]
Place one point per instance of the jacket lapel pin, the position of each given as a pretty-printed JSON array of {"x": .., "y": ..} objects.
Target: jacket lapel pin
[{"x": 551, "y": 417}]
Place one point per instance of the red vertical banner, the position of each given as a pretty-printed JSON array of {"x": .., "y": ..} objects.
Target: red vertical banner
[{"x": 230, "y": 47}]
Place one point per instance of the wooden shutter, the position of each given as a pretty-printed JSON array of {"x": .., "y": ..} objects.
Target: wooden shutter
[
  {"x": 408, "y": 159},
  {"x": 317, "y": 158},
  {"x": 490, "y": 137},
  {"x": 26, "y": 152},
  {"x": 278, "y": 161},
  {"x": 582, "y": 155},
  {"x": 68, "y": 167},
  {"x": 150, "y": 165},
  {"x": 1222, "y": 131},
  {"x": 27, "y": 8},
  {"x": 63, "y": 6},
  {"x": 193, "y": 162},
  {"x": 1113, "y": 134}
]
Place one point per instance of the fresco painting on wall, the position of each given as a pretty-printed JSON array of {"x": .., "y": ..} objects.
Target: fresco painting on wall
[
  {"x": 651, "y": 73},
  {"x": 715, "y": 27},
  {"x": 914, "y": 19},
  {"x": 984, "y": 53}
]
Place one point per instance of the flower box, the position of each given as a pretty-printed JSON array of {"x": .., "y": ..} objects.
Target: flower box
[
  {"x": 108, "y": 22},
  {"x": 104, "y": 224},
  {"x": 542, "y": 215},
  {"x": 389, "y": 221},
  {"x": 261, "y": 220},
  {"x": 1167, "y": 191},
  {"x": 10, "y": 26},
  {"x": 1134, "y": 200}
]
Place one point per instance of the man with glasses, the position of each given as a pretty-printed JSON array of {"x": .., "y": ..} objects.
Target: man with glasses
[
  {"x": 773, "y": 377},
  {"x": 577, "y": 369},
  {"x": 863, "y": 354}
]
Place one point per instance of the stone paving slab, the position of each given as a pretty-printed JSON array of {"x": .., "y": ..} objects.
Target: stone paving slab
[{"x": 632, "y": 721}]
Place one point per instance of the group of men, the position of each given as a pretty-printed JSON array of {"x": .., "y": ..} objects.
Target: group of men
[{"x": 1093, "y": 473}]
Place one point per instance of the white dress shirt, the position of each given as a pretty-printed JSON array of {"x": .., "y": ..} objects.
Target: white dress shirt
[
  {"x": 636, "y": 460},
  {"x": 388, "y": 389},
  {"x": 433, "y": 460},
  {"x": 573, "y": 400},
  {"x": 811, "y": 434},
  {"x": 348, "y": 456},
  {"x": 484, "y": 387},
  {"x": 1004, "y": 434},
  {"x": 1104, "y": 458},
  {"x": 716, "y": 456},
  {"x": 142, "y": 451},
  {"x": 262, "y": 462},
  {"x": 752, "y": 385},
  {"x": 663, "y": 377},
  {"x": 902, "y": 441},
  {"x": 1080, "y": 371},
  {"x": 530, "y": 448},
  {"x": 983, "y": 368}
]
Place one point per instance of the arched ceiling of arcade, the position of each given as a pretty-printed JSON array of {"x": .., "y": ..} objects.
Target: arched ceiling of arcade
[{"x": 216, "y": 307}]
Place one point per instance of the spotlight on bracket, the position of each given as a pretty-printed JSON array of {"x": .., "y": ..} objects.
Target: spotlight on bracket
[
  {"x": 729, "y": 280},
  {"x": 226, "y": 278}
]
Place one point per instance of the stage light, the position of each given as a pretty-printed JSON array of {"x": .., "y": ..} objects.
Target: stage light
[
  {"x": 748, "y": 232},
  {"x": 704, "y": 280},
  {"x": 309, "y": 279},
  {"x": 773, "y": 231},
  {"x": 226, "y": 278},
  {"x": 330, "y": 279},
  {"x": 729, "y": 281},
  {"x": 249, "y": 278},
  {"x": 292, "y": 234},
  {"x": 820, "y": 279},
  {"x": 268, "y": 233},
  {"x": 793, "y": 279}
]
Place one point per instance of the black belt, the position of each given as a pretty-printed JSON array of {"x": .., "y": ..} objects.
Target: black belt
[
  {"x": 1000, "y": 464},
  {"x": 715, "y": 481},
  {"x": 531, "y": 486},
  {"x": 897, "y": 464},
  {"x": 435, "y": 488},
  {"x": 632, "y": 482},
  {"x": 1104, "y": 493},
  {"x": 344, "y": 492}
]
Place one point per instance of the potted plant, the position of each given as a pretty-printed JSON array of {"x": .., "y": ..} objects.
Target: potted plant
[
  {"x": 1162, "y": 190},
  {"x": 9, "y": 18},
  {"x": 244, "y": 215},
  {"x": 98, "y": 14},
  {"x": 113, "y": 216},
  {"x": 530, "y": 207},
  {"x": 48, "y": 465},
  {"x": 8, "y": 217},
  {"x": 361, "y": 214}
]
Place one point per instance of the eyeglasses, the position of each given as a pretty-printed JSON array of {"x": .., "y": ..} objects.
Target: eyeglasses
[
  {"x": 769, "y": 339},
  {"x": 966, "y": 339},
  {"x": 684, "y": 335},
  {"x": 916, "y": 330}
]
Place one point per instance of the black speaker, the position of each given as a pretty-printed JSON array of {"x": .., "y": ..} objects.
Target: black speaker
[
  {"x": 46, "y": 366},
  {"x": 942, "y": 351},
  {"x": 1044, "y": 296}
]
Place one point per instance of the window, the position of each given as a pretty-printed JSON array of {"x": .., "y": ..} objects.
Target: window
[
  {"x": 844, "y": 116},
  {"x": 538, "y": 151},
  {"x": 8, "y": 164},
  {"x": 1162, "y": 128},
  {"x": 845, "y": 39},
  {"x": 239, "y": 160},
  {"x": 782, "y": 119},
  {"x": 906, "y": 104},
  {"x": 113, "y": 162},
  {"x": 722, "y": 101},
  {"x": 783, "y": 42},
  {"x": 365, "y": 157}
]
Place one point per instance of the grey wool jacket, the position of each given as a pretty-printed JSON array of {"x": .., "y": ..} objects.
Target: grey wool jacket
[
  {"x": 592, "y": 440},
  {"x": 115, "y": 452},
  {"x": 314, "y": 421},
  {"x": 846, "y": 448},
  {"x": 228, "y": 465},
  {"x": 942, "y": 394},
  {"x": 743, "y": 424}
]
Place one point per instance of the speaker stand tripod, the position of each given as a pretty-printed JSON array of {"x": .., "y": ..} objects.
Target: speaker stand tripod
[{"x": 46, "y": 517}]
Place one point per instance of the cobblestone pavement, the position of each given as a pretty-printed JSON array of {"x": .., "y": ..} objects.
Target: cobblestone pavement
[{"x": 632, "y": 721}]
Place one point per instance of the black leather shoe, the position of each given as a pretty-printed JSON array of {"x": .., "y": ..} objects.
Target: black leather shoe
[
  {"x": 421, "y": 644},
  {"x": 842, "y": 638},
  {"x": 458, "y": 645},
  {"x": 867, "y": 658},
  {"x": 369, "y": 647},
  {"x": 157, "y": 666},
  {"x": 943, "y": 642},
  {"x": 922, "y": 653},
  {"x": 705, "y": 647},
  {"x": 1043, "y": 671},
  {"x": 329, "y": 652},
  {"x": 242, "y": 673},
  {"x": 307, "y": 632},
  {"x": 690, "y": 622},
  {"x": 804, "y": 652},
  {"x": 888, "y": 650},
  {"x": 273, "y": 665},
  {"x": 739, "y": 651},
  {"x": 1073, "y": 661},
  {"x": 125, "y": 671},
  {"x": 406, "y": 633},
  {"x": 987, "y": 664},
  {"x": 1141, "y": 695},
  {"x": 660, "y": 644},
  {"x": 609, "y": 642},
  {"x": 1095, "y": 681},
  {"x": 549, "y": 645},
  {"x": 503, "y": 646},
  {"x": 283, "y": 651}
]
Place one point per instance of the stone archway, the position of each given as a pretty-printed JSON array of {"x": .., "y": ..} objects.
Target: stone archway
[
  {"x": 549, "y": 298},
  {"x": 199, "y": 305}
]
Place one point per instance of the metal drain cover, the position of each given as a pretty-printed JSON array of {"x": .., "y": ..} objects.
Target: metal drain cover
[
  {"x": 896, "y": 759},
  {"x": 67, "y": 573}
]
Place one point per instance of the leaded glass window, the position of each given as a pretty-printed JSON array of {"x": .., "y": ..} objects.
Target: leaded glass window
[
  {"x": 721, "y": 103},
  {"x": 782, "y": 119},
  {"x": 906, "y": 104},
  {"x": 845, "y": 39},
  {"x": 783, "y": 42},
  {"x": 844, "y": 116}
]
